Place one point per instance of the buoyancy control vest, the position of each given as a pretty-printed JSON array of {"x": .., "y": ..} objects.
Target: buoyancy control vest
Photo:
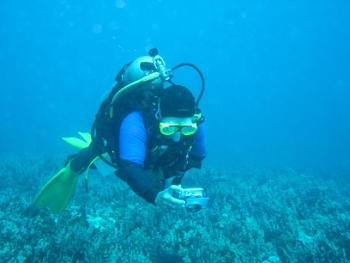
[{"x": 107, "y": 125}]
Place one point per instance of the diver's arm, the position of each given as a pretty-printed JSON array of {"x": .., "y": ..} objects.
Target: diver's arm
[
  {"x": 132, "y": 152},
  {"x": 139, "y": 181}
]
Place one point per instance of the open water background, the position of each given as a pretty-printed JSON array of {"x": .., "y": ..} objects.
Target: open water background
[{"x": 277, "y": 72}]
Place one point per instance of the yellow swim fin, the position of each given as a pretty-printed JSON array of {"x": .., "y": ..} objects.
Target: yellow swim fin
[
  {"x": 79, "y": 143},
  {"x": 57, "y": 192},
  {"x": 86, "y": 136}
]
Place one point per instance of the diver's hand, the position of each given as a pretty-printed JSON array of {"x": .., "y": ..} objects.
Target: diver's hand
[{"x": 166, "y": 201}]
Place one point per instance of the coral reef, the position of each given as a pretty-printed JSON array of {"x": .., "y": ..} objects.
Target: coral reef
[{"x": 262, "y": 215}]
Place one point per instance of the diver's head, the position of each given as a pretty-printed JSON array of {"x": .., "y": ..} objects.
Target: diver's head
[
  {"x": 140, "y": 68},
  {"x": 177, "y": 101},
  {"x": 176, "y": 111}
]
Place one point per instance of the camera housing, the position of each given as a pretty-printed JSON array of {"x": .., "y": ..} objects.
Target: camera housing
[{"x": 195, "y": 198}]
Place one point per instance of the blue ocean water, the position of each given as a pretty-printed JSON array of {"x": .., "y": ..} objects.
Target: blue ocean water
[
  {"x": 277, "y": 95},
  {"x": 277, "y": 73}
]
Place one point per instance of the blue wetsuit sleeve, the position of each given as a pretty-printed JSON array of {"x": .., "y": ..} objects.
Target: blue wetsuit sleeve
[
  {"x": 132, "y": 151},
  {"x": 199, "y": 148},
  {"x": 133, "y": 138}
]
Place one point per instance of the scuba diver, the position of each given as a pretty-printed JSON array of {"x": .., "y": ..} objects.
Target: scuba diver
[{"x": 149, "y": 134}]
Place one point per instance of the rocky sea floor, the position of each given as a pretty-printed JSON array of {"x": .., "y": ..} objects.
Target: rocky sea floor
[{"x": 255, "y": 214}]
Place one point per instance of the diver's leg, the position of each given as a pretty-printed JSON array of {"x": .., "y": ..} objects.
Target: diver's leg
[{"x": 82, "y": 160}]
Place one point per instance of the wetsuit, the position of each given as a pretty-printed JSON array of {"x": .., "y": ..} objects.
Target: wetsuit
[
  {"x": 139, "y": 137},
  {"x": 141, "y": 150}
]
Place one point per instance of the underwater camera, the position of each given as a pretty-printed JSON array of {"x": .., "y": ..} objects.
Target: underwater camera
[{"x": 195, "y": 198}]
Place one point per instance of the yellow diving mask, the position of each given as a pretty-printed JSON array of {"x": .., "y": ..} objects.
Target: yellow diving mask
[{"x": 171, "y": 125}]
